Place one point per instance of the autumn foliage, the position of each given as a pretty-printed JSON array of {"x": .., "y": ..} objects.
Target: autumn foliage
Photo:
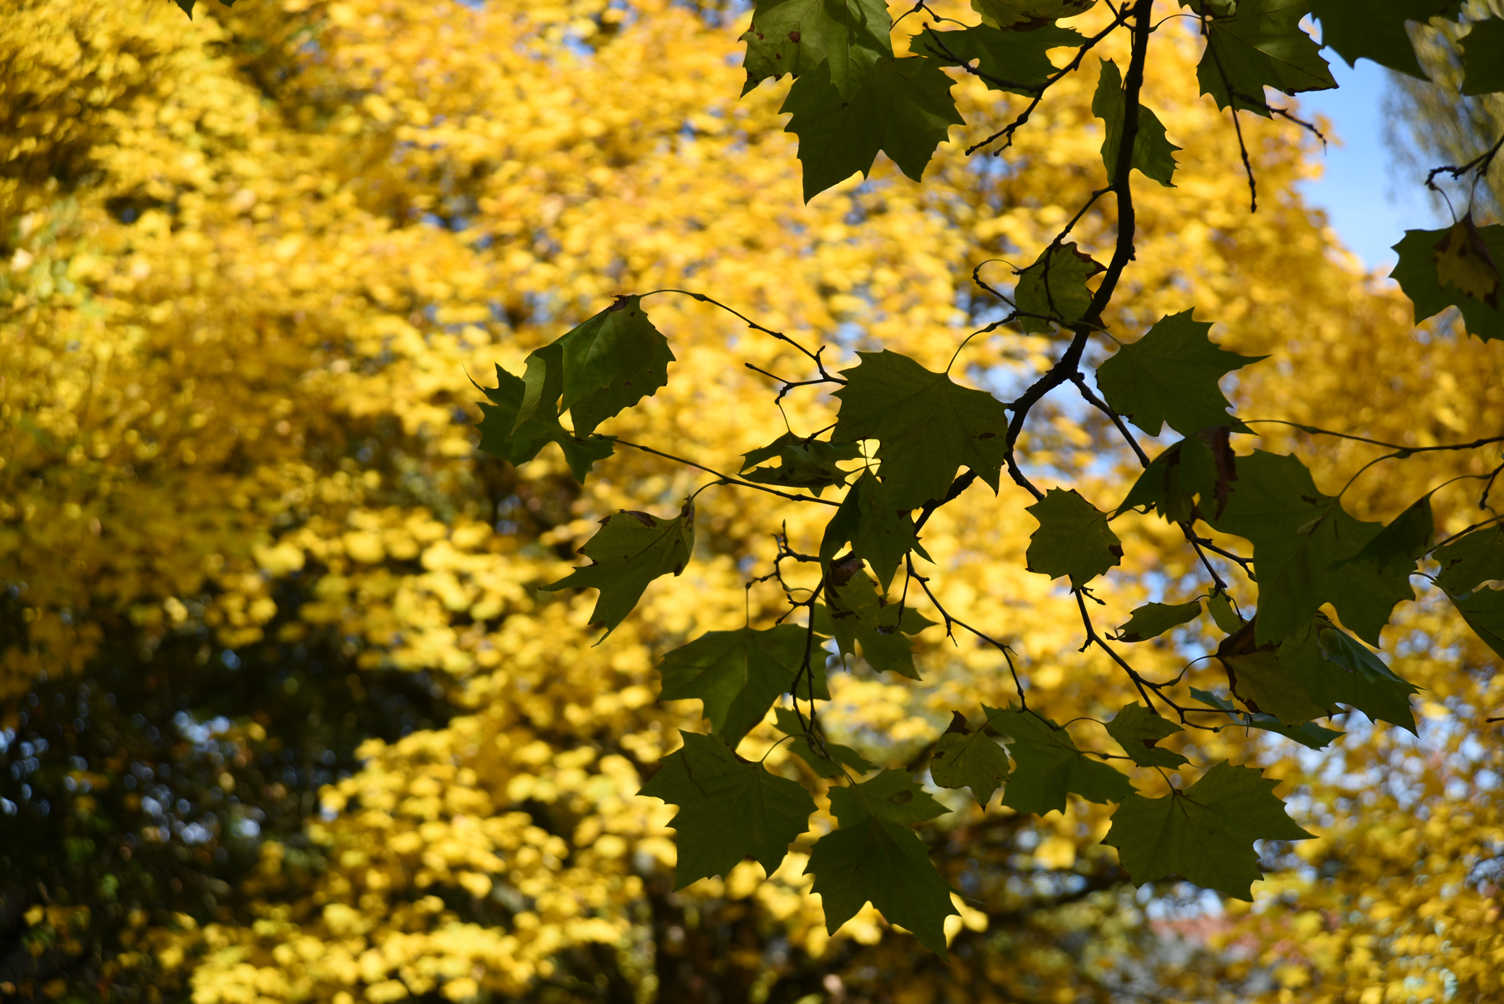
[{"x": 253, "y": 269}]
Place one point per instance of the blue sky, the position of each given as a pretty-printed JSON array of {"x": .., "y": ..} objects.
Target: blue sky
[{"x": 1369, "y": 199}]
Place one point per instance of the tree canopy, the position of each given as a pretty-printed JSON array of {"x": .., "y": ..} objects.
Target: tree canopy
[{"x": 1013, "y": 543}]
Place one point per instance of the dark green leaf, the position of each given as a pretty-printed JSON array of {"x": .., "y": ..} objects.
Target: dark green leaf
[
  {"x": 1153, "y": 619},
  {"x": 1050, "y": 766},
  {"x": 804, "y": 463},
  {"x": 1259, "y": 680},
  {"x": 1335, "y": 668},
  {"x": 607, "y": 364},
  {"x": 878, "y": 533},
  {"x": 1013, "y": 61},
  {"x": 628, "y": 552},
  {"x": 1470, "y": 560},
  {"x": 903, "y": 109},
  {"x": 795, "y": 36},
  {"x": 1028, "y": 15},
  {"x": 790, "y": 725},
  {"x": 739, "y": 674},
  {"x": 503, "y": 437},
  {"x": 1310, "y": 734},
  {"x": 1398, "y": 546},
  {"x": 1198, "y": 471},
  {"x": 1204, "y": 833},
  {"x": 969, "y": 759},
  {"x": 728, "y": 809},
  {"x": 1153, "y": 153},
  {"x": 1260, "y": 44},
  {"x": 1300, "y": 539},
  {"x": 1054, "y": 287},
  {"x": 1375, "y": 29},
  {"x": 1483, "y": 57},
  {"x": 1170, "y": 375},
  {"x": 857, "y": 615},
  {"x": 927, "y": 426},
  {"x": 1138, "y": 730},
  {"x": 1483, "y": 609},
  {"x": 874, "y": 860},
  {"x": 892, "y": 795},
  {"x": 1073, "y": 538},
  {"x": 1417, "y": 275}
]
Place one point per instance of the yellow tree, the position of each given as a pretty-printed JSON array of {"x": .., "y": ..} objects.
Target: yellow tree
[{"x": 254, "y": 263}]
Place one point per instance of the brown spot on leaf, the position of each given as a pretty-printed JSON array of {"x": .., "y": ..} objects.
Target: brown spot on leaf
[{"x": 794, "y": 37}]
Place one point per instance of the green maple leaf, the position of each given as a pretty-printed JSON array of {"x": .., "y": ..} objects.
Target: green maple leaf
[
  {"x": 805, "y": 463},
  {"x": 1470, "y": 560},
  {"x": 629, "y": 551},
  {"x": 1013, "y": 61},
  {"x": 1195, "y": 471},
  {"x": 1054, "y": 287},
  {"x": 1301, "y": 541},
  {"x": 1153, "y": 619},
  {"x": 1417, "y": 274},
  {"x": 969, "y": 759},
  {"x": 1483, "y": 57},
  {"x": 1310, "y": 735},
  {"x": 739, "y": 674},
  {"x": 892, "y": 795},
  {"x": 1483, "y": 609},
  {"x": 598, "y": 368},
  {"x": 795, "y": 36},
  {"x": 1257, "y": 676},
  {"x": 874, "y": 857},
  {"x": 903, "y": 109},
  {"x": 1138, "y": 730},
  {"x": 856, "y": 614},
  {"x": 926, "y": 424},
  {"x": 1259, "y": 44},
  {"x": 1073, "y": 538},
  {"x": 1400, "y": 545},
  {"x": 1204, "y": 833},
  {"x": 1170, "y": 375},
  {"x": 1028, "y": 15},
  {"x": 1375, "y": 29},
  {"x": 1334, "y": 668},
  {"x": 1049, "y": 766},
  {"x": 1153, "y": 153},
  {"x": 1223, "y": 615},
  {"x": 826, "y": 766},
  {"x": 878, "y": 532},
  {"x": 728, "y": 809},
  {"x": 502, "y": 436}
]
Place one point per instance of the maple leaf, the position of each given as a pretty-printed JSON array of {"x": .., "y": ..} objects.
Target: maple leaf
[
  {"x": 1073, "y": 538},
  {"x": 966, "y": 758},
  {"x": 739, "y": 674},
  {"x": 503, "y": 436},
  {"x": 1375, "y": 29},
  {"x": 1419, "y": 274},
  {"x": 1028, "y": 15},
  {"x": 1138, "y": 730},
  {"x": 1483, "y": 59},
  {"x": 1464, "y": 261},
  {"x": 804, "y": 463},
  {"x": 1170, "y": 376},
  {"x": 1153, "y": 153},
  {"x": 1258, "y": 44},
  {"x": 1011, "y": 61},
  {"x": 926, "y": 425},
  {"x": 1054, "y": 287},
  {"x": 728, "y": 809},
  {"x": 878, "y": 532},
  {"x": 629, "y": 551},
  {"x": 1204, "y": 833},
  {"x": 789, "y": 724},
  {"x": 848, "y": 37},
  {"x": 1153, "y": 619},
  {"x": 903, "y": 109},
  {"x": 1050, "y": 766}
]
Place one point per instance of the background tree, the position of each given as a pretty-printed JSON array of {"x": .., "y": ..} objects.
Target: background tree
[{"x": 251, "y": 262}]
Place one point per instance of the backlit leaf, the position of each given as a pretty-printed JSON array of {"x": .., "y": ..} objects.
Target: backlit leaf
[
  {"x": 1050, "y": 766},
  {"x": 789, "y": 724},
  {"x": 1471, "y": 559},
  {"x": 1417, "y": 274},
  {"x": 502, "y": 436},
  {"x": 1153, "y": 153},
  {"x": 965, "y": 758},
  {"x": 1153, "y": 619},
  {"x": 1054, "y": 288},
  {"x": 609, "y": 362},
  {"x": 1028, "y": 15},
  {"x": 927, "y": 426},
  {"x": 878, "y": 532},
  {"x": 629, "y": 551},
  {"x": 1259, "y": 44},
  {"x": 1483, "y": 58},
  {"x": 848, "y": 37},
  {"x": 1139, "y": 730},
  {"x": 1013, "y": 61},
  {"x": 1204, "y": 833},
  {"x": 1073, "y": 538},
  {"x": 728, "y": 809},
  {"x": 1375, "y": 29},
  {"x": 739, "y": 674},
  {"x": 803, "y": 463}
]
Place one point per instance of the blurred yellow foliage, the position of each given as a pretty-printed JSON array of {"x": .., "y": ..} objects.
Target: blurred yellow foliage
[{"x": 253, "y": 263}]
